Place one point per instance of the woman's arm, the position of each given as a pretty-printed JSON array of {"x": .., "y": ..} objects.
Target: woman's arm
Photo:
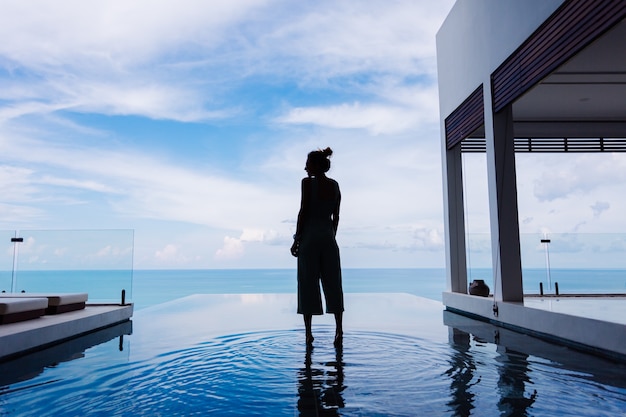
[
  {"x": 304, "y": 204},
  {"x": 302, "y": 214},
  {"x": 336, "y": 212}
]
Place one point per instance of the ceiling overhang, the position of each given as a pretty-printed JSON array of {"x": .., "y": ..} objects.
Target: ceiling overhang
[{"x": 567, "y": 81}]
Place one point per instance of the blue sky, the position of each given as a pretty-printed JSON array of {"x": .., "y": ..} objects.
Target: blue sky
[{"x": 190, "y": 122}]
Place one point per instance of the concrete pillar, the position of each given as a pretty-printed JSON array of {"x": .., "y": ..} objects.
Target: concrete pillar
[
  {"x": 456, "y": 266},
  {"x": 507, "y": 264}
]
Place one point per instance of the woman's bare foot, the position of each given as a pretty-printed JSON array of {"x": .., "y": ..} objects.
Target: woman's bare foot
[
  {"x": 338, "y": 339},
  {"x": 338, "y": 329},
  {"x": 308, "y": 330}
]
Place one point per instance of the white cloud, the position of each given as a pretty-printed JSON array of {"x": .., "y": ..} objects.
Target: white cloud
[
  {"x": 328, "y": 39},
  {"x": 28, "y": 107},
  {"x": 232, "y": 249},
  {"x": 129, "y": 95},
  {"x": 114, "y": 31},
  {"x": 111, "y": 56},
  {"x": 258, "y": 235},
  {"x": 428, "y": 238},
  {"x": 143, "y": 58},
  {"x": 59, "y": 251},
  {"x": 113, "y": 251},
  {"x": 169, "y": 253},
  {"x": 579, "y": 174},
  {"x": 252, "y": 235},
  {"x": 14, "y": 215},
  {"x": 16, "y": 183},
  {"x": 74, "y": 183},
  {"x": 571, "y": 192},
  {"x": 140, "y": 185},
  {"x": 372, "y": 64},
  {"x": 376, "y": 119},
  {"x": 156, "y": 101}
]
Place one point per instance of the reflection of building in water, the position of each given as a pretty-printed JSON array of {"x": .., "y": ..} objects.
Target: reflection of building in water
[
  {"x": 31, "y": 365},
  {"x": 513, "y": 371},
  {"x": 513, "y": 378},
  {"x": 320, "y": 387},
  {"x": 512, "y": 383},
  {"x": 461, "y": 374}
]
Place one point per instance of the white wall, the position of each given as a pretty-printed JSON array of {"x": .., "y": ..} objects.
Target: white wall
[{"x": 476, "y": 37}]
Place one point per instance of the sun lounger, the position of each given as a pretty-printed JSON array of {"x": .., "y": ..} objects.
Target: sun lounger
[
  {"x": 13, "y": 310},
  {"x": 57, "y": 302}
]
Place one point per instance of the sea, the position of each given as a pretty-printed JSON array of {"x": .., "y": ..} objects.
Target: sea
[{"x": 151, "y": 287}]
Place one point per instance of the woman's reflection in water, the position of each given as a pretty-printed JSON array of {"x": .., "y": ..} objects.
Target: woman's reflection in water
[{"x": 320, "y": 386}]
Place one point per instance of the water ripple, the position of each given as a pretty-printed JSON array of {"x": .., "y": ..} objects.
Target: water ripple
[{"x": 272, "y": 373}]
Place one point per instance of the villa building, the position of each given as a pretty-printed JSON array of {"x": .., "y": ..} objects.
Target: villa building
[{"x": 526, "y": 76}]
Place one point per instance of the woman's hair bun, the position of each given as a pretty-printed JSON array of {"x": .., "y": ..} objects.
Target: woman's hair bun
[{"x": 321, "y": 158}]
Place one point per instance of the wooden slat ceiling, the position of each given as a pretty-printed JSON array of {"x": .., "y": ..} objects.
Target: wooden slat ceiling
[{"x": 566, "y": 83}]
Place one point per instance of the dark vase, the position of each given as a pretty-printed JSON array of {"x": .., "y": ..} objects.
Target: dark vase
[{"x": 478, "y": 287}]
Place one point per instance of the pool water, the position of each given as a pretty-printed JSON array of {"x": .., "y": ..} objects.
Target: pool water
[{"x": 244, "y": 355}]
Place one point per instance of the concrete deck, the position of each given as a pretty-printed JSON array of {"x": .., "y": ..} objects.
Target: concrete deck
[
  {"x": 593, "y": 324},
  {"x": 17, "y": 339},
  {"x": 605, "y": 308}
]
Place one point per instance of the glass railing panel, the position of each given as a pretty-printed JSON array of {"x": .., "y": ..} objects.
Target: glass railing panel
[
  {"x": 98, "y": 262},
  {"x": 6, "y": 259},
  {"x": 478, "y": 252},
  {"x": 579, "y": 263}
]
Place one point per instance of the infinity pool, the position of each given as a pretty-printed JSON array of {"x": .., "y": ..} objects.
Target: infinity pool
[{"x": 245, "y": 355}]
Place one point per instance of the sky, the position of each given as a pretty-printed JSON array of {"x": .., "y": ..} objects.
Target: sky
[{"x": 189, "y": 123}]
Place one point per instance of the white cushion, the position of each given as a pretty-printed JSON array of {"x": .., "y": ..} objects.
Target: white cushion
[
  {"x": 54, "y": 299},
  {"x": 19, "y": 305}
]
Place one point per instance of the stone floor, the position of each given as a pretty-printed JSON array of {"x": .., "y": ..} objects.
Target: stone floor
[{"x": 605, "y": 308}]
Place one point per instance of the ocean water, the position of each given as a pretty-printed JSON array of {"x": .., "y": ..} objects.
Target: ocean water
[{"x": 150, "y": 287}]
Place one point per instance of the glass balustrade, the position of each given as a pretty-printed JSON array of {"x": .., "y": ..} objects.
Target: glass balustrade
[
  {"x": 576, "y": 263},
  {"x": 98, "y": 262},
  {"x": 6, "y": 259}
]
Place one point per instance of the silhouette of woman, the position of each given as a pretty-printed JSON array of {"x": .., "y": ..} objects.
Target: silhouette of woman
[{"x": 315, "y": 246}]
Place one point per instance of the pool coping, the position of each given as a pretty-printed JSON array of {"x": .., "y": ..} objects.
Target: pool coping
[
  {"x": 18, "y": 339},
  {"x": 600, "y": 337}
]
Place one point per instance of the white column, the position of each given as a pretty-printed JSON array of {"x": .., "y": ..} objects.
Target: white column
[
  {"x": 507, "y": 264},
  {"x": 456, "y": 267}
]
